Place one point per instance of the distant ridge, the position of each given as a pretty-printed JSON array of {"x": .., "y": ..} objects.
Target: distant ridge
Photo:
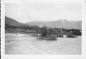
[
  {"x": 11, "y": 21},
  {"x": 58, "y": 24}
]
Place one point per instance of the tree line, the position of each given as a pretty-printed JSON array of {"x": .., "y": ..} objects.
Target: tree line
[{"x": 44, "y": 31}]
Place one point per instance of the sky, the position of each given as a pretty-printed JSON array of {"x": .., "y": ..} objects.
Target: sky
[{"x": 43, "y": 10}]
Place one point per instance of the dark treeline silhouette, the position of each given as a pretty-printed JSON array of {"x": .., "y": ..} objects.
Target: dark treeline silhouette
[{"x": 44, "y": 31}]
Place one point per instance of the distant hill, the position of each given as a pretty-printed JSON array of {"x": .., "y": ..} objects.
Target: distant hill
[
  {"x": 11, "y": 21},
  {"x": 58, "y": 24}
]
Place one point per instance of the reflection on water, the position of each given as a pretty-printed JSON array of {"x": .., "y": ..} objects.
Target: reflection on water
[{"x": 27, "y": 44}]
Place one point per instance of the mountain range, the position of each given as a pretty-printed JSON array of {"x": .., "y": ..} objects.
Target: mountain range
[{"x": 58, "y": 24}]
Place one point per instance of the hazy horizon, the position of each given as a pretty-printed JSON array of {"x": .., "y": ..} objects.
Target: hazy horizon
[{"x": 44, "y": 10}]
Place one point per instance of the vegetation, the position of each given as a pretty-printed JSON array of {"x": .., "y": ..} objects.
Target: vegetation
[{"x": 43, "y": 31}]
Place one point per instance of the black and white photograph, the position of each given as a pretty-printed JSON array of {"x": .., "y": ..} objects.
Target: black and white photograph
[{"x": 43, "y": 27}]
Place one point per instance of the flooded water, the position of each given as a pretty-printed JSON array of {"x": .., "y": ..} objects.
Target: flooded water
[{"x": 27, "y": 45}]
